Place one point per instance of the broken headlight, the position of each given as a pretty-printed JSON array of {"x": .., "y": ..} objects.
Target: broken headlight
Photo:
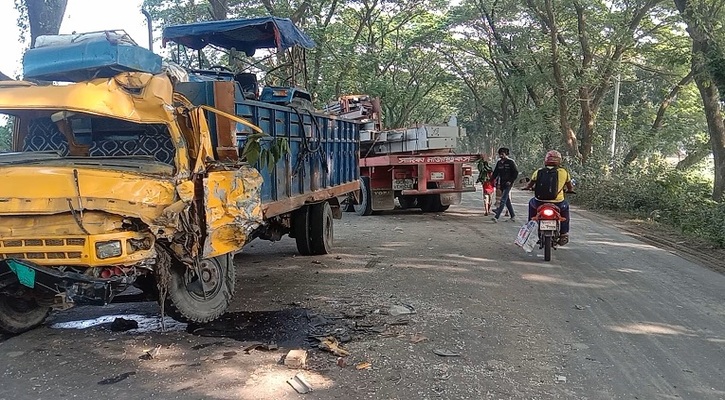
[{"x": 108, "y": 249}]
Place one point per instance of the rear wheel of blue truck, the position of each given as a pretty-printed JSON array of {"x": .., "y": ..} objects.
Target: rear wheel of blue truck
[
  {"x": 365, "y": 206},
  {"x": 20, "y": 314},
  {"x": 202, "y": 293},
  {"x": 321, "y": 230},
  {"x": 301, "y": 230}
]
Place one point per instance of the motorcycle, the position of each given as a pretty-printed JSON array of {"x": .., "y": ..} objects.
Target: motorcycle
[
  {"x": 548, "y": 218},
  {"x": 547, "y": 223}
]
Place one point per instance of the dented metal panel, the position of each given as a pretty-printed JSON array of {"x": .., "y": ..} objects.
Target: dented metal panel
[{"x": 233, "y": 209}]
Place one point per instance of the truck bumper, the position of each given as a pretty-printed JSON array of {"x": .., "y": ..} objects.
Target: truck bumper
[{"x": 79, "y": 289}]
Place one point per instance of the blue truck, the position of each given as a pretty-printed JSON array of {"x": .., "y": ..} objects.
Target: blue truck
[{"x": 303, "y": 192}]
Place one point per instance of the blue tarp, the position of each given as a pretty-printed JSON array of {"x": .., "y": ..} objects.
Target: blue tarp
[
  {"x": 76, "y": 58},
  {"x": 245, "y": 35}
]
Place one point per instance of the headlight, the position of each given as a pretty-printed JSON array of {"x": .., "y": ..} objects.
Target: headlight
[{"x": 108, "y": 249}]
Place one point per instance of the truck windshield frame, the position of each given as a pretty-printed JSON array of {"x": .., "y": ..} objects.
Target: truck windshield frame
[{"x": 78, "y": 137}]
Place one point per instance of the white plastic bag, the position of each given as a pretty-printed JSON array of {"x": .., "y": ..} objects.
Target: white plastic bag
[{"x": 527, "y": 237}]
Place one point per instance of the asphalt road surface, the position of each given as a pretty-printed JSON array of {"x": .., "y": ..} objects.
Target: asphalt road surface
[{"x": 429, "y": 306}]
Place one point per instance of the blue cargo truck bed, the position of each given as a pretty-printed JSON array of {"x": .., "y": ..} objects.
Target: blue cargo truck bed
[{"x": 322, "y": 162}]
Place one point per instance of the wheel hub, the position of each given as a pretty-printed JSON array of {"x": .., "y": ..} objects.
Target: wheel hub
[{"x": 204, "y": 281}]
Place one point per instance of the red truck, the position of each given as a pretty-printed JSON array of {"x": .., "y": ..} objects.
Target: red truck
[{"x": 415, "y": 165}]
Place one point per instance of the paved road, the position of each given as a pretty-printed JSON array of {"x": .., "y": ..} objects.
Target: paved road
[{"x": 609, "y": 318}]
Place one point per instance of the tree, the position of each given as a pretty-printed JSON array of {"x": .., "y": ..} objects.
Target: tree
[
  {"x": 702, "y": 19},
  {"x": 40, "y": 17}
]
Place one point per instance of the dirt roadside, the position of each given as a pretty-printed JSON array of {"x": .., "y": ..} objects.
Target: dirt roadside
[{"x": 663, "y": 237}]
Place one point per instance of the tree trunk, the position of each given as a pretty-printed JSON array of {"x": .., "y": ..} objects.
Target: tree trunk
[
  {"x": 44, "y": 17},
  {"x": 219, "y": 9},
  {"x": 568, "y": 135},
  {"x": 702, "y": 47},
  {"x": 694, "y": 157},
  {"x": 659, "y": 119},
  {"x": 716, "y": 126}
]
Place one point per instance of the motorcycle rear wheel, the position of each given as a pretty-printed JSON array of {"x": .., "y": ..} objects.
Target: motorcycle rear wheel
[{"x": 547, "y": 248}]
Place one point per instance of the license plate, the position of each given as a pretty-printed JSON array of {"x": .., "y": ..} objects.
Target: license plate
[
  {"x": 403, "y": 184},
  {"x": 437, "y": 176},
  {"x": 547, "y": 225}
]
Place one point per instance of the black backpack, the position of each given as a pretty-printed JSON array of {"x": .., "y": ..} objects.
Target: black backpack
[{"x": 547, "y": 184}]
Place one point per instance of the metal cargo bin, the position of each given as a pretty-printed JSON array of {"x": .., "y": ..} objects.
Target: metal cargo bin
[{"x": 323, "y": 150}]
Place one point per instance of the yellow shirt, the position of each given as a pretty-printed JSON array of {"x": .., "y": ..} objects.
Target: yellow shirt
[{"x": 562, "y": 179}]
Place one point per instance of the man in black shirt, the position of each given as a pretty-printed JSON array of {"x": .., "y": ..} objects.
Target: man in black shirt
[{"x": 506, "y": 173}]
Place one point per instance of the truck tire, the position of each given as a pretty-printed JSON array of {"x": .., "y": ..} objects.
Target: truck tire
[
  {"x": 431, "y": 203},
  {"x": 18, "y": 315},
  {"x": 201, "y": 297},
  {"x": 406, "y": 202},
  {"x": 321, "y": 230},
  {"x": 365, "y": 207},
  {"x": 301, "y": 230}
]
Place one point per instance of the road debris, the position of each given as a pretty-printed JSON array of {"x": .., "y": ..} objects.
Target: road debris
[
  {"x": 300, "y": 384},
  {"x": 446, "y": 353},
  {"x": 578, "y": 307},
  {"x": 415, "y": 339},
  {"x": 341, "y": 362},
  {"x": 117, "y": 378},
  {"x": 331, "y": 344},
  {"x": 261, "y": 346},
  {"x": 396, "y": 310},
  {"x": 560, "y": 379},
  {"x": 152, "y": 353},
  {"x": 296, "y": 359},
  {"x": 122, "y": 324},
  {"x": 363, "y": 365}
]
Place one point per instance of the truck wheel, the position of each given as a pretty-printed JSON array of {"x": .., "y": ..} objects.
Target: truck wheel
[
  {"x": 18, "y": 315},
  {"x": 365, "y": 207},
  {"x": 431, "y": 203},
  {"x": 202, "y": 294},
  {"x": 321, "y": 228},
  {"x": 301, "y": 230},
  {"x": 406, "y": 202}
]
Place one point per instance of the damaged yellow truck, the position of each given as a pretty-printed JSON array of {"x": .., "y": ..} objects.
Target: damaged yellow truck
[{"x": 122, "y": 180}]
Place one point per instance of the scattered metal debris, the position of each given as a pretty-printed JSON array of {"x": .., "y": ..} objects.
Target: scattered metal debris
[
  {"x": 261, "y": 346},
  {"x": 299, "y": 384},
  {"x": 396, "y": 310},
  {"x": 560, "y": 379},
  {"x": 152, "y": 353},
  {"x": 117, "y": 378},
  {"x": 417, "y": 339},
  {"x": 446, "y": 353},
  {"x": 331, "y": 344},
  {"x": 578, "y": 307},
  {"x": 363, "y": 365},
  {"x": 296, "y": 359}
]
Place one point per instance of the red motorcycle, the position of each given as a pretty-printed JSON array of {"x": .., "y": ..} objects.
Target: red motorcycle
[{"x": 548, "y": 218}]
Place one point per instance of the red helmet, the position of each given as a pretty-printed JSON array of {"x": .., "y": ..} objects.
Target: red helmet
[{"x": 553, "y": 157}]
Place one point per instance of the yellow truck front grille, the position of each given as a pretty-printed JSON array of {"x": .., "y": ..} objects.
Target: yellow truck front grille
[
  {"x": 56, "y": 249},
  {"x": 79, "y": 250}
]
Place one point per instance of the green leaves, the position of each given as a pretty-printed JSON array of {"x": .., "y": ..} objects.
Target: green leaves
[{"x": 267, "y": 157}]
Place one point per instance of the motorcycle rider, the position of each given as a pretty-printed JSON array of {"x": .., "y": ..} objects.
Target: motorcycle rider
[{"x": 552, "y": 161}]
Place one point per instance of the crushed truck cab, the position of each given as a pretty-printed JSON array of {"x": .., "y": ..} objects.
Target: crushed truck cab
[
  {"x": 130, "y": 173},
  {"x": 108, "y": 180}
]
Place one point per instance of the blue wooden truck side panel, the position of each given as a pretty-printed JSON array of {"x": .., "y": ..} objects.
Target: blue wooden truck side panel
[{"x": 323, "y": 150}]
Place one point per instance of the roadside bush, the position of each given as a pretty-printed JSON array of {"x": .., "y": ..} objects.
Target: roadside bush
[{"x": 658, "y": 192}]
